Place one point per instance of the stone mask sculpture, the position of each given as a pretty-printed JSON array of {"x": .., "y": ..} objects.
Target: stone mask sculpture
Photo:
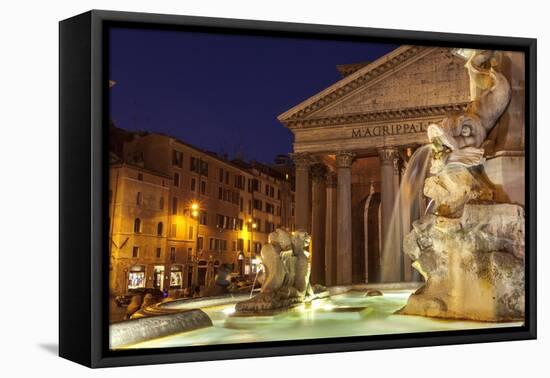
[{"x": 468, "y": 248}]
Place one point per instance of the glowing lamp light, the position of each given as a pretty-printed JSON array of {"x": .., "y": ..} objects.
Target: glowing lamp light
[
  {"x": 254, "y": 225},
  {"x": 194, "y": 206},
  {"x": 194, "y": 213},
  {"x": 249, "y": 220}
]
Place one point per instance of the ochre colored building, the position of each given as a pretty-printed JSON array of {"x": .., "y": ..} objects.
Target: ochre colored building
[{"x": 178, "y": 213}]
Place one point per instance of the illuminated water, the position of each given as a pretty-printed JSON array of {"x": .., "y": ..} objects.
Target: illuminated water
[{"x": 349, "y": 314}]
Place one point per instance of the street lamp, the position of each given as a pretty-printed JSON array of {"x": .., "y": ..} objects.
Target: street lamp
[
  {"x": 195, "y": 212},
  {"x": 252, "y": 225}
]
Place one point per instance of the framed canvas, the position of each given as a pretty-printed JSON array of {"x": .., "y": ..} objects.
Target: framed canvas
[{"x": 234, "y": 188}]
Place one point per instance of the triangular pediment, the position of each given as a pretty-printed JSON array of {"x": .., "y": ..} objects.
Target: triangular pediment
[{"x": 410, "y": 77}]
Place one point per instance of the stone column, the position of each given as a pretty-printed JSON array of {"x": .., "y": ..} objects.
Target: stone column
[
  {"x": 331, "y": 260},
  {"x": 344, "y": 272},
  {"x": 391, "y": 245},
  {"x": 318, "y": 205},
  {"x": 302, "y": 161}
]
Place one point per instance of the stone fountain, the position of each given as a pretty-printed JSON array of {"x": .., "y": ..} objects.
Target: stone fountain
[
  {"x": 468, "y": 247},
  {"x": 285, "y": 275}
]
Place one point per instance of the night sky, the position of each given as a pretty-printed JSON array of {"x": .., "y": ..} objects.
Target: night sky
[{"x": 222, "y": 93}]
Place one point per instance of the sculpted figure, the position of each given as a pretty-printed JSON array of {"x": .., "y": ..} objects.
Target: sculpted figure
[
  {"x": 300, "y": 243},
  {"x": 462, "y": 134},
  {"x": 285, "y": 273},
  {"x": 469, "y": 249},
  {"x": 274, "y": 270}
]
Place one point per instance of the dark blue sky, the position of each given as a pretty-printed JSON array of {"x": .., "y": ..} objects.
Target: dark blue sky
[{"x": 222, "y": 93}]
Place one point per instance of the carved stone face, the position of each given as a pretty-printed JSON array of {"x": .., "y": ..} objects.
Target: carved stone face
[
  {"x": 280, "y": 238},
  {"x": 301, "y": 240}
]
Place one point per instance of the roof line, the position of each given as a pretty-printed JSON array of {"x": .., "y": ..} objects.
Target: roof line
[{"x": 343, "y": 86}]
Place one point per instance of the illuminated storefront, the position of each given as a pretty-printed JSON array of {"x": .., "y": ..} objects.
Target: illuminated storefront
[
  {"x": 136, "y": 277},
  {"x": 176, "y": 277}
]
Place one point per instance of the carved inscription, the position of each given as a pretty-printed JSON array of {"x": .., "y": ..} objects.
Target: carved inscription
[{"x": 391, "y": 129}]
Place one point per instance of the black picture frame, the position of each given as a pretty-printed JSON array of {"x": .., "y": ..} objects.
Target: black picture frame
[{"x": 83, "y": 153}]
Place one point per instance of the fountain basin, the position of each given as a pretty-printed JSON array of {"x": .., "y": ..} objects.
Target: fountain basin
[{"x": 350, "y": 313}]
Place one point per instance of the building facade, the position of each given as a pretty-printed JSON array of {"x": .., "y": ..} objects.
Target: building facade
[
  {"x": 354, "y": 139},
  {"x": 213, "y": 212}
]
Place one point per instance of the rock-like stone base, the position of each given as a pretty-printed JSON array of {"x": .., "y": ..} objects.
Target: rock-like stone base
[
  {"x": 269, "y": 302},
  {"x": 473, "y": 265},
  {"x": 279, "y": 300}
]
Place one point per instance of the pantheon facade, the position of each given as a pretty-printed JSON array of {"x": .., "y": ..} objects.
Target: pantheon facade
[{"x": 352, "y": 143}]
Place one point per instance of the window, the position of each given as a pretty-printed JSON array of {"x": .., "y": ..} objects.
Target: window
[
  {"x": 190, "y": 232},
  {"x": 137, "y": 225},
  {"x": 140, "y": 176},
  {"x": 220, "y": 193},
  {"x": 269, "y": 227},
  {"x": 226, "y": 178},
  {"x": 198, "y": 166},
  {"x": 234, "y": 246},
  {"x": 173, "y": 230},
  {"x": 258, "y": 225},
  {"x": 241, "y": 207},
  {"x": 200, "y": 243},
  {"x": 159, "y": 228},
  {"x": 269, "y": 208},
  {"x": 220, "y": 221},
  {"x": 271, "y": 191},
  {"x": 257, "y": 247},
  {"x": 220, "y": 245},
  {"x": 172, "y": 254},
  {"x": 239, "y": 181},
  {"x": 176, "y": 179},
  {"x": 211, "y": 244},
  {"x": 159, "y": 253},
  {"x": 220, "y": 178},
  {"x": 203, "y": 218},
  {"x": 278, "y": 194},
  {"x": 203, "y": 187},
  {"x": 136, "y": 277},
  {"x": 176, "y": 276},
  {"x": 177, "y": 158},
  {"x": 161, "y": 203},
  {"x": 135, "y": 252},
  {"x": 258, "y": 205},
  {"x": 174, "y": 205},
  {"x": 138, "y": 198},
  {"x": 193, "y": 184}
]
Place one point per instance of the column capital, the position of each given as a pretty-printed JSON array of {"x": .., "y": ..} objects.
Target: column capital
[
  {"x": 388, "y": 155},
  {"x": 318, "y": 172},
  {"x": 344, "y": 159},
  {"x": 302, "y": 160}
]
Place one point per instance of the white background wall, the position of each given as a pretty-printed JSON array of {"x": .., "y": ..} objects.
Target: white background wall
[{"x": 29, "y": 185}]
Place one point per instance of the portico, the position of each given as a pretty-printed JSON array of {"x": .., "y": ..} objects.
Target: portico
[{"x": 352, "y": 142}]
